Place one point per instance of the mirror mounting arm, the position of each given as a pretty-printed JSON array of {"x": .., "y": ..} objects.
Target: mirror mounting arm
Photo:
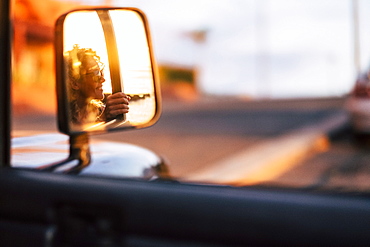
[{"x": 79, "y": 150}]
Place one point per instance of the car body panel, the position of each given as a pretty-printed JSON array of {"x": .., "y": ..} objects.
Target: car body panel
[
  {"x": 146, "y": 213},
  {"x": 114, "y": 159}
]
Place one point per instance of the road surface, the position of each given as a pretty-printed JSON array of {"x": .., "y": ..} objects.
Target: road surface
[
  {"x": 219, "y": 140},
  {"x": 192, "y": 136}
]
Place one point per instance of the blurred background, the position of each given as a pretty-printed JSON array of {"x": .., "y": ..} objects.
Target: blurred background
[
  {"x": 245, "y": 84},
  {"x": 240, "y": 48}
]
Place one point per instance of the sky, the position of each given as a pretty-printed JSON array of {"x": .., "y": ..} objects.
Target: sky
[{"x": 260, "y": 48}]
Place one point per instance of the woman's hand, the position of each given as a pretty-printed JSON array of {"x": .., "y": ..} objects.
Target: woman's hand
[{"x": 116, "y": 104}]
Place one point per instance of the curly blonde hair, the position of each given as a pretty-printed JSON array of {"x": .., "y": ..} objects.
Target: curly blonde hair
[
  {"x": 77, "y": 68},
  {"x": 76, "y": 62}
]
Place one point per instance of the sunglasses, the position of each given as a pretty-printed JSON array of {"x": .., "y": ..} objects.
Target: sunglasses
[{"x": 96, "y": 75}]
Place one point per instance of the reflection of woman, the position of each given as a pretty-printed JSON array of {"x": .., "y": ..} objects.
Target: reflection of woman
[{"x": 85, "y": 75}]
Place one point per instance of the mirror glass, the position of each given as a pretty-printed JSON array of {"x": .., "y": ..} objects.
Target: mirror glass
[{"x": 107, "y": 77}]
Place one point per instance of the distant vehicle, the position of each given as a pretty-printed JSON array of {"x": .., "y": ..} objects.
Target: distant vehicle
[{"x": 358, "y": 106}]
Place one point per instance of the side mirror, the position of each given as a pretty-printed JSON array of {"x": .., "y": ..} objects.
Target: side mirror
[
  {"x": 106, "y": 77},
  {"x": 104, "y": 64}
]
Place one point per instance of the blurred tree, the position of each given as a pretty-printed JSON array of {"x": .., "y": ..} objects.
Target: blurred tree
[{"x": 33, "y": 62}]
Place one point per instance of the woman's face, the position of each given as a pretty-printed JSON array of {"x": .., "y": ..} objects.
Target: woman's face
[{"x": 91, "y": 85}]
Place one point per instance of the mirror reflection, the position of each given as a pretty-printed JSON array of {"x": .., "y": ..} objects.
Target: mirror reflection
[
  {"x": 108, "y": 70},
  {"x": 88, "y": 103}
]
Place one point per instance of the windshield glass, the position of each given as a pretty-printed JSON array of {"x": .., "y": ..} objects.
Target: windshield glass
[{"x": 254, "y": 92}]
